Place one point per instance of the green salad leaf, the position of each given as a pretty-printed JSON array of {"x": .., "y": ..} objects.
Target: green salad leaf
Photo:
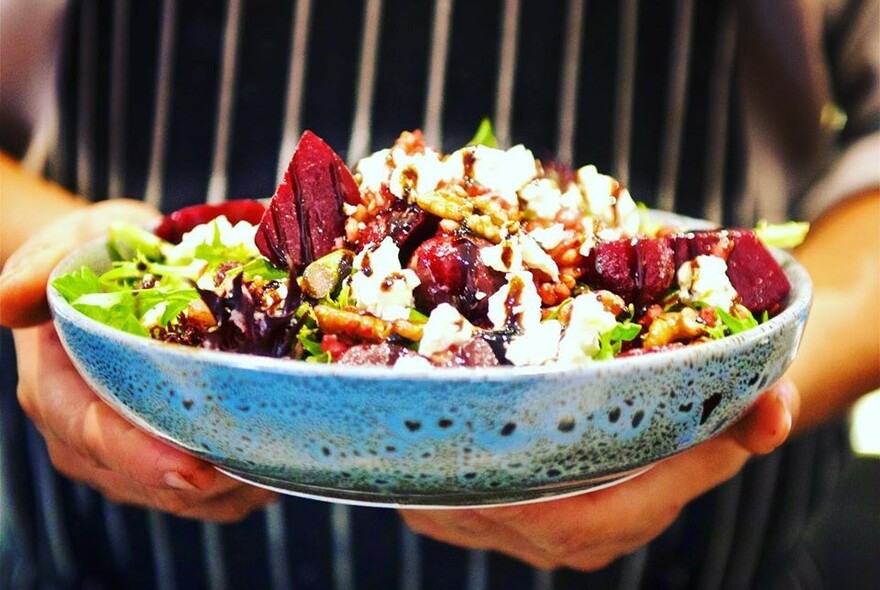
[
  {"x": 611, "y": 342},
  {"x": 782, "y": 235},
  {"x": 728, "y": 324},
  {"x": 485, "y": 135}
]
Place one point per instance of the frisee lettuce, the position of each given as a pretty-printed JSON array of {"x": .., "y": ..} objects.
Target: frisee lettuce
[
  {"x": 611, "y": 342},
  {"x": 782, "y": 235},
  {"x": 729, "y": 324}
]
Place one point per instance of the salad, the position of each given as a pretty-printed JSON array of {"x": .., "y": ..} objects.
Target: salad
[{"x": 479, "y": 257}]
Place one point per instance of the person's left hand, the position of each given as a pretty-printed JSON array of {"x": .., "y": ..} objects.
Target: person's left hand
[{"x": 589, "y": 531}]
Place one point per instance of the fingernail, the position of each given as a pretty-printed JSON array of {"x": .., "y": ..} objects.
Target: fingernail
[{"x": 176, "y": 481}]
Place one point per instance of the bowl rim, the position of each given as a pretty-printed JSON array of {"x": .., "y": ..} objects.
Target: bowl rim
[{"x": 797, "y": 305}]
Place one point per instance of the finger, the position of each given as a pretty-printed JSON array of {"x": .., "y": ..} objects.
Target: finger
[
  {"x": 26, "y": 273},
  {"x": 628, "y": 515},
  {"x": 228, "y": 500},
  {"x": 769, "y": 421},
  {"x": 69, "y": 409},
  {"x": 469, "y": 529}
]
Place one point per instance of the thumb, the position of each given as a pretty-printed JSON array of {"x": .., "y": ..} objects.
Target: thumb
[
  {"x": 26, "y": 273},
  {"x": 769, "y": 421}
]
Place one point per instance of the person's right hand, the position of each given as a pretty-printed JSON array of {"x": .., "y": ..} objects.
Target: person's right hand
[{"x": 86, "y": 439}]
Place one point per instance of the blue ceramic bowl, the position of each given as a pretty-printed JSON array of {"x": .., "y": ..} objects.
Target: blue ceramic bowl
[{"x": 429, "y": 437}]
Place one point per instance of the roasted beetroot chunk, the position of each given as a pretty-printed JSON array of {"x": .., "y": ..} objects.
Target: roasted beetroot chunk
[
  {"x": 756, "y": 275},
  {"x": 641, "y": 270},
  {"x": 304, "y": 220},
  {"x": 473, "y": 353},
  {"x": 688, "y": 246},
  {"x": 451, "y": 271},
  {"x": 382, "y": 354},
  {"x": 407, "y": 224},
  {"x": 172, "y": 227}
]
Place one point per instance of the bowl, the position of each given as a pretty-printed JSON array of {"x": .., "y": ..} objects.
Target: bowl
[{"x": 437, "y": 437}]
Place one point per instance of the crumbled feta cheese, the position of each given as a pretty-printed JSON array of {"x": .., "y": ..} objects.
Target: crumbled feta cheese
[
  {"x": 445, "y": 328},
  {"x": 549, "y": 237},
  {"x": 518, "y": 297},
  {"x": 411, "y": 361},
  {"x": 627, "y": 214},
  {"x": 608, "y": 201},
  {"x": 589, "y": 235},
  {"x": 374, "y": 170},
  {"x": 542, "y": 197},
  {"x": 402, "y": 172},
  {"x": 572, "y": 198},
  {"x": 588, "y": 320},
  {"x": 537, "y": 346},
  {"x": 419, "y": 173},
  {"x": 506, "y": 256},
  {"x": 608, "y": 234},
  {"x": 379, "y": 284},
  {"x": 504, "y": 172},
  {"x": 704, "y": 279},
  {"x": 598, "y": 189},
  {"x": 232, "y": 236},
  {"x": 517, "y": 252},
  {"x": 534, "y": 256}
]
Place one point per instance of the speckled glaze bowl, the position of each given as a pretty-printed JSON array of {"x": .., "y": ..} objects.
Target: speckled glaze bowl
[{"x": 438, "y": 437}]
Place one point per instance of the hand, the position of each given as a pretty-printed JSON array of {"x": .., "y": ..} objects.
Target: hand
[
  {"x": 86, "y": 439},
  {"x": 589, "y": 531},
  {"x": 89, "y": 442}
]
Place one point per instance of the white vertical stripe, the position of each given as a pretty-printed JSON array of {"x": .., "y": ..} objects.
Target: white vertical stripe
[
  {"x": 542, "y": 580},
  {"x": 117, "y": 535},
  {"x": 410, "y": 559},
  {"x": 85, "y": 115},
  {"x": 633, "y": 569},
  {"x": 212, "y": 550},
  {"x": 217, "y": 185},
  {"x": 118, "y": 101},
  {"x": 164, "y": 75},
  {"x": 296, "y": 76},
  {"x": 506, "y": 72},
  {"x": 625, "y": 87},
  {"x": 54, "y": 538},
  {"x": 679, "y": 66},
  {"x": 276, "y": 546},
  {"x": 568, "y": 91},
  {"x": 433, "y": 125},
  {"x": 360, "y": 131},
  {"x": 163, "y": 555},
  {"x": 477, "y": 570},
  {"x": 343, "y": 559},
  {"x": 725, "y": 516},
  {"x": 759, "y": 499},
  {"x": 44, "y": 149},
  {"x": 719, "y": 107}
]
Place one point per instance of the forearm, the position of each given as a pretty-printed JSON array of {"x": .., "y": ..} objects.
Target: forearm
[
  {"x": 27, "y": 204},
  {"x": 40, "y": 223},
  {"x": 839, "y": 359}
]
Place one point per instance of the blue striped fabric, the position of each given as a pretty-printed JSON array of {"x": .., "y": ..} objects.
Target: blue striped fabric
[{"x": 142, "y": 116}]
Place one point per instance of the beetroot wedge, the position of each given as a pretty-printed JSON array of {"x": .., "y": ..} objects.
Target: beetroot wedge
[{"x": 304, "y": 220}]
